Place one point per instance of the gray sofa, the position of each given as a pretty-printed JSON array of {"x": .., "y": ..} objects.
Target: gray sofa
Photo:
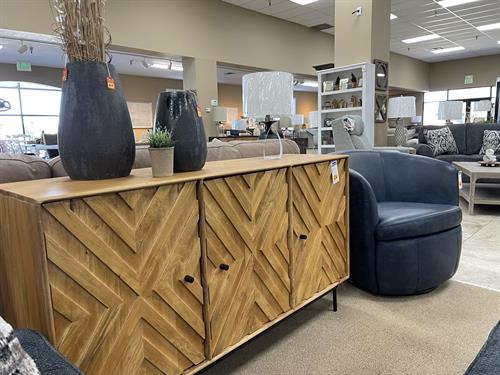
[
  {"x": 468, "y": 137},
  {"x": 20, "y": 168}
]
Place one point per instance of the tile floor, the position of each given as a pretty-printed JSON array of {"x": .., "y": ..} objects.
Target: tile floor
[{"x": 480, "y": 260}]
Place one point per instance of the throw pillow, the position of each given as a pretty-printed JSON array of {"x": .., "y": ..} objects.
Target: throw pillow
[
  {"x": 13, "y": 358},
  {"x": 491, "y": 140},
  {"x": 441, "y": 141}
]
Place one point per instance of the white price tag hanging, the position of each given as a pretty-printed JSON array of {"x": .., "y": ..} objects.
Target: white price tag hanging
[
  {"x": 460, "y": 180},
  {"x": 335, "y": 172}
]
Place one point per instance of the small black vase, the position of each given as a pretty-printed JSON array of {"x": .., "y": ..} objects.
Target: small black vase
[
  {"x": 96, "y": 139},
  {"x": 177, "y": 111}
]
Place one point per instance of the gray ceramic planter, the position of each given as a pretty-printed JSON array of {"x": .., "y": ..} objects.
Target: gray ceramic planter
[
  {"x": 96, "y": 140},
  {"x": 177, "y": 111},
  {"x": 162, "y": 161}
]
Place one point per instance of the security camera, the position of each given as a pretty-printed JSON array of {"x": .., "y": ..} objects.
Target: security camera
[{"x": 358, "y": 12}]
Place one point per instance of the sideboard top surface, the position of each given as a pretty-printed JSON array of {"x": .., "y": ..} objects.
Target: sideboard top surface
[{"x": 55, "y": 189}]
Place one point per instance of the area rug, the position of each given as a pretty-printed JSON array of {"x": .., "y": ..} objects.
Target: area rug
[
  {"x": 488, "y": 359},
  {"x": 437, "y": 333}
]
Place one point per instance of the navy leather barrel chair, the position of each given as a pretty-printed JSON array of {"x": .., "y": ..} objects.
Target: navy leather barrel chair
[{"x": 405, "y": 222}]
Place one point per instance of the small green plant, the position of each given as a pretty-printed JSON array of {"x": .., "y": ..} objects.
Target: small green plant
[{"x": 160, "y": 139}]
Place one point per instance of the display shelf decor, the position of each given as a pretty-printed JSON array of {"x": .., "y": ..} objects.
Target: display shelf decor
[
  {"x": 178, "y": 112},
  {"x": 96, "y": 140}
]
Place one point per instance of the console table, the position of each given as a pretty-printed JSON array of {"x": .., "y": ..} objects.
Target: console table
[{"x": 167, "y": 275}]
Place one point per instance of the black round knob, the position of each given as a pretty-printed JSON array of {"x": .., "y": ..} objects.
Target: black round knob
[
  {"x": 303, "y": 236},
  {"x": 189, "y": 279},
  {"x": 224, "y": 267}
]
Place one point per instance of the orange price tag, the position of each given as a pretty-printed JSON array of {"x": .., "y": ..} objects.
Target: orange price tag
[
  {"x": 64, "y": 74},
  {"x": 110, "y": 83}
]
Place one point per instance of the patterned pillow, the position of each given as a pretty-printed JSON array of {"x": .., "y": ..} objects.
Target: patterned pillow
[
  {"x": 491, "y": 139},
  {"x": 441, "y": 141},
  {"x": 13, "y": 358}
]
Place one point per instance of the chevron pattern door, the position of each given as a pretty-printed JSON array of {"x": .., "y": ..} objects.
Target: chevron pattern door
[
  {"x": 117, "y": 263},
  {"x": 248, "y": 257},
  {"x": 320, "y": 222}
]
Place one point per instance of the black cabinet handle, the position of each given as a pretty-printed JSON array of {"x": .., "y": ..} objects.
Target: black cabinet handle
[
  {"x": 189, "y": 279},
  {"x": 303, "y": 237},
  {"x": 224, "y": 267}
]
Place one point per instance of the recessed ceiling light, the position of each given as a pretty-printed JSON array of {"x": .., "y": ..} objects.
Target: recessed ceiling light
[
  {"x": 421, "y": 38},
  {"x": 393, "y": 16},
  {"x": 498, "y": 42},
  {"x": 303, "y": 2},
  {"x": 492, "y": 26},
  {"x": 1, "y": 46},
  {"x": 446, "y": 50},
  {"x": 452, "y": 3}
]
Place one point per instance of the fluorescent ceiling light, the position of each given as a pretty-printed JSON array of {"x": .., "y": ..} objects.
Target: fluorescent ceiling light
[
  {"x": 422, "y": 38},
  {"x": 310, "y": 83},
  {"x": 393, "y": 16},
  {"x": 492, "y": 26},
  {"x": 452, "y": 3},
  {"x": 445, "y": 50},
  {"x": 160, "y": 66},
  {"x": 303, "y": 2},
  {"x": 176, "y": 66}
]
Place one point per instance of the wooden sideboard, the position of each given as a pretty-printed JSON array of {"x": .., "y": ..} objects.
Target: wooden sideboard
[{"x": 167, "y": 275}]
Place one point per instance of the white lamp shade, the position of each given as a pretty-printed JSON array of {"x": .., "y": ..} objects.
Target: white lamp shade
[
  {"x": 401, "y": 106},
  {"x": 482, "y": 105},
  {"x": 268, "y": 93},
  {"x": 450, "y": 110},
  {"x": 219, "y": 114}
]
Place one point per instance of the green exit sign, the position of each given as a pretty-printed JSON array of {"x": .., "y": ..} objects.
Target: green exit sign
[
  {"x": 23, "y": 66},
  {"x": 469, "y": 80}
]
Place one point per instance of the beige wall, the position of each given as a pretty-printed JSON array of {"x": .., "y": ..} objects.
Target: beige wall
[
  {"x": 306, "y": 102},
  {"x": 231, "y": 96},
  {"x": 407, "y": 73},
  {"x": 451, "y": 74},
  {"x": 208, "y": 29}
]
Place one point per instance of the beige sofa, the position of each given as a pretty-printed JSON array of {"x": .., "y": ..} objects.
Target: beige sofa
[{"x": 19, "y": 167}]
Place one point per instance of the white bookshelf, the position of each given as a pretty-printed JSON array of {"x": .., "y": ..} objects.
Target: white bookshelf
[{"x": 366, "y": 93}]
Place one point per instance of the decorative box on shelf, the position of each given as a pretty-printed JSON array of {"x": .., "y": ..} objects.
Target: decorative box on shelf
[{"x": 353, "y": 92}]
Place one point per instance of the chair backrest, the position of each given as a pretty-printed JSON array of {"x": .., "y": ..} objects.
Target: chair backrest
[
  {"x": 341, "y": 137},
  {"x": 371, "y": 166}
]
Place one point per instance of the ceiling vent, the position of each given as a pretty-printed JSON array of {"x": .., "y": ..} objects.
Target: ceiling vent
[
  {"x": 229, "y": 73},
  {"x": 322, "y": 26}
]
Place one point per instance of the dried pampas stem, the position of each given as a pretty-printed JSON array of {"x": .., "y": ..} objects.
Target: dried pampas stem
[{"x": 80, "y": 25}]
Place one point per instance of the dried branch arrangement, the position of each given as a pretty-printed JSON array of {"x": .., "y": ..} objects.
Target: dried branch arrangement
[{"x": 80, "y": 25}]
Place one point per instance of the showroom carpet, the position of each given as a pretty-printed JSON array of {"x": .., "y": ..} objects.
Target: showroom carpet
[{"x": 436, "y": 333}]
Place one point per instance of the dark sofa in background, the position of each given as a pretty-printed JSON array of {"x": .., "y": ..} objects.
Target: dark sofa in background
[{"x": 468, "y": 137}]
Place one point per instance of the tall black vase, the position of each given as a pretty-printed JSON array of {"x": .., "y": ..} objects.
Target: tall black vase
[
  {"x": 96, "y": 140},
  {"x": 177, "y": 111}
]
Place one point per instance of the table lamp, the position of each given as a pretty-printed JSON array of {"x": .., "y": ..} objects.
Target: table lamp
[
  {"x": 398, "y": 108},
  {"x": 268, "y": 95},
  {"x": 450, "y": 110}
]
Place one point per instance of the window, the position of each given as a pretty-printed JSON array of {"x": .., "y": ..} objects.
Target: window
[
  {"x": 471, "y": 112},
  {"x": 34, "y": 108}
]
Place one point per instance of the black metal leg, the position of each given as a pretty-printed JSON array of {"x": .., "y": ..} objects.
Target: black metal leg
[{"x": 334, "y": 299}]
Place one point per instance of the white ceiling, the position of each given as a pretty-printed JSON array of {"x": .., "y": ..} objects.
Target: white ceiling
[{"x": 456, "y": 25}]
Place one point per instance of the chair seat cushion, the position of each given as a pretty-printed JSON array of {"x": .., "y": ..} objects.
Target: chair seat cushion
[{"x": 399, "y": 220}]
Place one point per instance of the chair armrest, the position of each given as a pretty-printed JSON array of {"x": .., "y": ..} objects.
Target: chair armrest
[
  {"x": 363, "y": 218},
  {"x": 424, "y": 150}
]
